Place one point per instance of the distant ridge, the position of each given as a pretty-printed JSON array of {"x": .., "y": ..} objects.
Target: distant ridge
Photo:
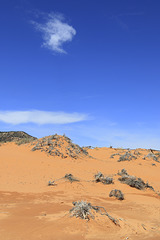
[{"x": 13, "y": 136}]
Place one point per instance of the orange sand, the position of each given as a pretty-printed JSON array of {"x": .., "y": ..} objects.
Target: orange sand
[{"x": 32, "y": 210}]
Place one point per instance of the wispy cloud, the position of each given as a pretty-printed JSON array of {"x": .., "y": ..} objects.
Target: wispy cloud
[
  {"x": 121, "y": 18},
  {"x": 55, "y": 32},
  {"x": 40, "y": 117},
  {"x": 131, "y": 14}
]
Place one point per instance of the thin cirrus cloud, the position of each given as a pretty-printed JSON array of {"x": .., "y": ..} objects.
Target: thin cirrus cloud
[
  {"x": 55, "y": 32},
  {"x": 40, "y": 117}
]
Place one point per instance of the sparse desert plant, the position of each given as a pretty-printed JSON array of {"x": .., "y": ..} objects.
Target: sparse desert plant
[
  {"x": 67, "y": 138},
  {"x": 114, "y": 154},
  {"x": 107, "y": 180},
  {"x": 51, "y": 183},
  {"x": 84, "y": 151},
  {"x": 88, "y": 147},
  {"x": 82, "y": 210},
  {"x": 132, "y": 181},
  {"x": 86, "y": 210},
  {"x": 122, "y": 172},
  {"x": 117, "y": 193},
  {"x": 126, "y": 157},
  {"x": 120, "y": 148},
  {"x": 37, "y": 147},
  {"x": 99, "y": 177},
  {"x": 53, "y": 137},
  {"x": 71, "y": 178},
  {"x": 147, "y": 185},
  {"x": 25, "y": 141},
  {"x": 152, "y": 156},
  {"x": 137, "y": 153}
]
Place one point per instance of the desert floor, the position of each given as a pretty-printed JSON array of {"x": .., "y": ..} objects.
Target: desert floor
[{"x": 32, "y": 210}]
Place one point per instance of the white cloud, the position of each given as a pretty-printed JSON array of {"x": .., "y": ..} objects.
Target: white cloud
[
  {"x": 40, "y": 117},
  {"x": 55, "y": 32}
]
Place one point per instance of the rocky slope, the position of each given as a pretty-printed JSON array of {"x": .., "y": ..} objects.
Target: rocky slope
[
  {"x": 14, "y": 136},
  {"x": 61, "y": 146}
]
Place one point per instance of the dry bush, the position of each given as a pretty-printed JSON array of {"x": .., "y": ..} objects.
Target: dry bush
[
  {"x": 37, "y": 147},
  {"x": 135, "y": 182},
  {"x": 136, "y": 152},
  {"x": 82, "y": 210},
  {"x": 149, "y": 186},
  {"x": 107, "y": 180},
  {"x": 123, "y": 172},
  {"x": 114, "y": 154},
  {"x": 71, "y": 178},
  {"x": 126, "y": 157},
  {"x": 99, "y": 177},
  {"x": 153, "y": 156},
  {"x": 51, "y": 183},
  {"x": 117, "y": 193},
  {"x": 132, "y": 181},
  {"x": 85, "y": 210}
]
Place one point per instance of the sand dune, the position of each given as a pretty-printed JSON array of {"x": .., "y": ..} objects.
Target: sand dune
[{"x": 30, "y": 209}]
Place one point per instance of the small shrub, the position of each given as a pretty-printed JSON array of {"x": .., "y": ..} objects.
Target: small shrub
[
  {"x": 51, "y": 183},
  {"x": 137, "y": 153},
  {"x": 149, "y": 186},
  {"x": 99, "y": 177},
  {"x": 133, "y": 182},
  {"x": 117, "y": 193},
  {"x": 107, "y": 180},
  {"x": 71, "y": 178},
  {"x": 84, "y": 151},
  {"x": 115, "y": 154},
  {"x": 123, "y": 172},
  {"x": 85, "y": 210},
  {"x": 126, "y": 157},
  {"x": 38, "y": 146},
  {"x": 152, "y": 156},
  {"x": 53, "y": 137},
  {"x": 82, "y": 210}
]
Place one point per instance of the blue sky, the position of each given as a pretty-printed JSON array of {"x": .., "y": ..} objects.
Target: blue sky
[{"x": 89, "y": 69}]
